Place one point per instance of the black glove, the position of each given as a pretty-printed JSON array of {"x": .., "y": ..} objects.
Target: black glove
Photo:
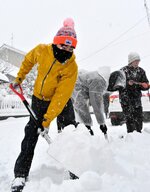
[
  {"x": 43, "y": 132},
  {"x": 103, "y": 128}
]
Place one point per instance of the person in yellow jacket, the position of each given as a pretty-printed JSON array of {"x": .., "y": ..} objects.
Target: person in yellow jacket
[{"x": 57, "y": 74}]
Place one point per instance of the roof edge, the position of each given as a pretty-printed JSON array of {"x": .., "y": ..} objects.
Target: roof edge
[{"x": 12, "y": 48}]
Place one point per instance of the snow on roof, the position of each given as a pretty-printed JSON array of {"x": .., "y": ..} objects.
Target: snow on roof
[
  {"x": 12, "y": 48},
  {"x": 3, "y": 77},
  {"x": 14, "y": 70}
]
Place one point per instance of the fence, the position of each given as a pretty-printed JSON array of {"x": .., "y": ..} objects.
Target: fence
[{"x": 12, "y": 106}]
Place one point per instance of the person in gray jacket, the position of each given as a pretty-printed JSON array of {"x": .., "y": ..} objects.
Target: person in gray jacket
[{"x": 89, "y": 90}]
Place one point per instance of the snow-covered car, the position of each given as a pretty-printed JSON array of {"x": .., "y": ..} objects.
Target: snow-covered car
[{"x": 115, "y": 110}]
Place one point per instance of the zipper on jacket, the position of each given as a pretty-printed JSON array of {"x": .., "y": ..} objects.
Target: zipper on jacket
[{"x": 46, "y": 76}]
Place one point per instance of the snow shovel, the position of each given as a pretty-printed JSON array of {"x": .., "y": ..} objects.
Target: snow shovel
[
  {"x": 33, "y": 116},
  {"x": 35, "y": 119}
]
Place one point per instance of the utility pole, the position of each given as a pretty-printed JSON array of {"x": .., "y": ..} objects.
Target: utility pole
[{"x": 147, "y": 11}]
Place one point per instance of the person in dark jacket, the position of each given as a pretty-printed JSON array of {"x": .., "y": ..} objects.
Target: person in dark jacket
[{"x": 130, "y": 96}]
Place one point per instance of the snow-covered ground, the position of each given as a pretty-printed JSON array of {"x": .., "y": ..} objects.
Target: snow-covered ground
[{"x": 120, "y": 165}]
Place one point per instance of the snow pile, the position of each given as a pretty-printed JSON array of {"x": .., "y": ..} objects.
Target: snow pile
[{"x": 120, "y": 165}]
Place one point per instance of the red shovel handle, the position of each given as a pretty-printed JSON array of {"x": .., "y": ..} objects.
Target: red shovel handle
[{"x": 19, "y": 93}]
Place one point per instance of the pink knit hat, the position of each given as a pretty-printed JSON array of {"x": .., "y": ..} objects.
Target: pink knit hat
[{"x": 66, "y": 35}]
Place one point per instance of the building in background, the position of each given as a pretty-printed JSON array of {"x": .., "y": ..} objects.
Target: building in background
[
  {"x": 11, "y": 55},
  {"x": 3, "y": 78},
  {"x": 10, "y": 61}
]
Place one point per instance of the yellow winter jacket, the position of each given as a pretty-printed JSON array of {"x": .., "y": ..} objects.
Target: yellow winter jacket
[{"x": 55, "y": 81}]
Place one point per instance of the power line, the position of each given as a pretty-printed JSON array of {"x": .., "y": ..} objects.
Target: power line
[
  {"x": 111, "y": 42},
  {"x": 131, "y": 38}
]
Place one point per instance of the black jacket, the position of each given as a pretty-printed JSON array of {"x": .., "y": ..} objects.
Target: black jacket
[{"x": 132, "y": 94}]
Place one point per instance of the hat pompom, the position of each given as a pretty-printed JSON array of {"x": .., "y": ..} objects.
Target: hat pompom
[{"x": 68, "y": 23}]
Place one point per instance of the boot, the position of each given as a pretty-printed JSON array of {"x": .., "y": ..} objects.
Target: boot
[
  {"x": 59, "y": 131},
  {"x": 18, "y": 184},
  {"x": 76, "y": 124}
]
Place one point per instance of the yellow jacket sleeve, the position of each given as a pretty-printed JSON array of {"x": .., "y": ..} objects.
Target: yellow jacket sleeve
[
  {"x": 29, "y": 61},
  {"x": 62, "y": 94}
]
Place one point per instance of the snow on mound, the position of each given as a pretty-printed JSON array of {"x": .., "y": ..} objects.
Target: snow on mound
[{"x": 80, "y": 152}]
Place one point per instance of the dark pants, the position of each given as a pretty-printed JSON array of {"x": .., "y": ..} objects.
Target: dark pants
[
  {"x": 106, "y": 103},
  {"x": 24, "y": 160},
  {"x": 66, "y": 117},
  {"x": 134, "y": 117}
]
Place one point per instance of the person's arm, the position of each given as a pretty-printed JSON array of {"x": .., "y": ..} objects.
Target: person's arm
[
  {"x": 144, "y": 82},
  {"x": 62, "y": 94},
  {"x": 29, "y": 61}
]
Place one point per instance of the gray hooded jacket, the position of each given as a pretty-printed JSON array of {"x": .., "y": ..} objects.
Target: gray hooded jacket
[{"x": 89, "y": 90}]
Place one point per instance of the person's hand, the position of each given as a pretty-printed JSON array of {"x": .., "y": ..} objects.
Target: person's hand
[
  {"x": 103, "y": 128},
  {"x": 145, "y": 85},
  {"x": 131, "y": 82},
  {"x": 44, "y": 132},
  {"x": 15, "y": 84}
]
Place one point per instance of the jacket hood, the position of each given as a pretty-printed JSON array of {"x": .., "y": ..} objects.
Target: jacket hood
[{"x": 104, "y": 71}]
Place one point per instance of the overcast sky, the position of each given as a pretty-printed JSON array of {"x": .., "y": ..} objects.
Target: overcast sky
[{"x": 107, "y": 30}]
